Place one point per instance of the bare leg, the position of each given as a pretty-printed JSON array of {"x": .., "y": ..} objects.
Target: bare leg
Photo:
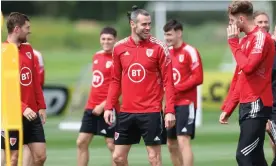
[
  {"x": 38, "y": 151},
  {"x": 154, "y": 155},
  {"x": 83, "y": 142},
  {"x": 27, "y": 156},
  {"x": 120, "y": 155},
  {"x": 175, "y": 154},
  {"x": 186, "y": 150}
]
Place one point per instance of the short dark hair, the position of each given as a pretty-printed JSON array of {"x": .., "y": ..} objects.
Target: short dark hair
[
  {"x": 16, "y": 19},
  {"x": 132, "y": 15},
  {"x": 109, "y": 30},
  {"x": 172, "y": 25},
  {"x": 257, "y": 13},
  {"x": 241, "y": 7}
]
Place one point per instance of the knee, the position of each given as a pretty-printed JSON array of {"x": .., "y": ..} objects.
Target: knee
[
  {"x": 110, "y": 146},
  {"x": 154, "y": 157},
  {"x": 184, "y": 142},
  {"x": 119, "y": 159},
  {"x": 14, "y": 159},
  {"x": 82, "y": 144},
  {"x": 172, "y": 146},
  {"x": 40, "y": 159}
]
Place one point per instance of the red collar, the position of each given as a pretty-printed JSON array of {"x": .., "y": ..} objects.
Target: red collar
[
  {"x": 141, "y": 42},
  {"x": 254, "y": 30},
  {"x": 180, "y": 48}
]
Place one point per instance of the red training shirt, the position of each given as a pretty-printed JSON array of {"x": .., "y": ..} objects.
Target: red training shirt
[
  {"x": 187, "y": 73},
  {"x": 31, "y": 91},
  {"x": 141, "y": 71},
  {"x": 254, "y": 56},
  {"x": 101, "y": 78}
]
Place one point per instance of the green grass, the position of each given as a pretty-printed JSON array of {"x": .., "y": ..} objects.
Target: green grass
[{"x": 214, "y": 145}]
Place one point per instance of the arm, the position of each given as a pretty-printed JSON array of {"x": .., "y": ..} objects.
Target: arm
[
  {"x": 250, "y": 63},
  {"x": 23, "y": 106},
  {"x": 196, "y": 77},
  {"x": 165, "y": 66},
  {"x": 36, "y": 60},
  {"x": 232, "y": 99},
  {"x": 115, "y": 85},
  {"x": 99, "y": 109},
  {"x": 38, "y": 90}
]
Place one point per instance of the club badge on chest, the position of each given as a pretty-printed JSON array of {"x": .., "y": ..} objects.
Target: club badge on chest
[
  {"x": 149, "y": 52},
  {"x": 29, "y": 55},
  {"x": 181, "y": 58},
  {"x": 108, "y": 64}
]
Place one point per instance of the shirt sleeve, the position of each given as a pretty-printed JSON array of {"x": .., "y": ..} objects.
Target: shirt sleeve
[
  {"x": 250, "y": 63},
  {"x": 196, "y": 77},
  {"x": 232, "y": 99},
  {"x": 23, "y": 106},
  {"x": 38, "y": 89},
  {"x": 165, "y": 66},
  {"x": 115, "y": 85}
]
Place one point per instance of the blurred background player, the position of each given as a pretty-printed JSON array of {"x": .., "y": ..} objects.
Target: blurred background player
[
  {"x": 141, "y": 70},
  {"x": 41, "y": 70},
  {"x": 27, "y": 156},
  {"x": 251, "y": 85},
  {"x": 32, "y": 99},
  {"x": 187, "y": 75},
  {"x": 93, "y": 122},
  {"x": 262, "y": 20}
]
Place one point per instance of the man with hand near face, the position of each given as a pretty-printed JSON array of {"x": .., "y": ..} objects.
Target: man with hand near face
[{"x": 251, "y": 85}]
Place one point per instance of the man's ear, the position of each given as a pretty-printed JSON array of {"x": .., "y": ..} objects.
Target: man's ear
[
  {"x": 16, "y": 29},
  {"x": 179, "y": 33},
  {"x": 132, "y": 24}
]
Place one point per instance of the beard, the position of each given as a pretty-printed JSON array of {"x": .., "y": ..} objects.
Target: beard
[
  {"x": 22, "y": 39},
  {"x": 266, "y": 29},
  {"x": 141, "y": 35}
]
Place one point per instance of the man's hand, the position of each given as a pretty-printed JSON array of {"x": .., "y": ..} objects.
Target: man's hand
[
  {"x": 233, "y": 31},
  {"x": 29, "y": 114},
  {"x": 43, "y": 115},
  {"x": 268, "y": 126},
  {"x": 169, "y": 120},
  {"x": 108, "y": 117},
  {"x": 98, "y": 110},
  {"x": 223, "y": 119}
]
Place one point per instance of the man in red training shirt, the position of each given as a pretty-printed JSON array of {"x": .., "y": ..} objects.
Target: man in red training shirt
[
  {"x": 262, "y": 20},
  {"x": 251, "y": 85},
  {"x": 27, "y": 156},
  {"x": 32, "y": 99},
  {"x": 141, "y": 71},
  {"x": 187, "y": 75},
  {"x": 93, "y": 122}
]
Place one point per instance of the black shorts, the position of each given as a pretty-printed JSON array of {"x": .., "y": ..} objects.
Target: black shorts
[
  {"x": 13, "y": 135},
  {"x": 185, "y": 122},
  {"x": 32, "y": 132},
  {"x": 131, "y": 126},
  {"x": 95, "y": 125}
]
